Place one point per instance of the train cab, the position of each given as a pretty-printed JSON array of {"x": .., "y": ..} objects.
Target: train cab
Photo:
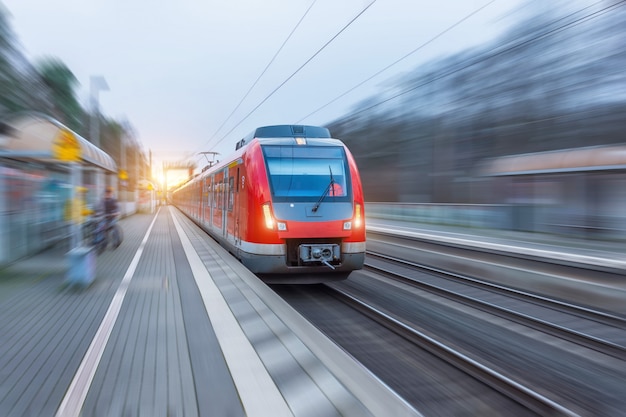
[{"x": 290, "y": 205}]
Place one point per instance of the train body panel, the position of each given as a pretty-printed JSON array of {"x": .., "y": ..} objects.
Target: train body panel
[{"x": 289, "y": 204}]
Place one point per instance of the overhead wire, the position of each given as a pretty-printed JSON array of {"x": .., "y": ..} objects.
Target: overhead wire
[
  {"x": 397, "y": 61},
  {"x": 448, "y": 73},
  {"x": 295, "y": 72},
  {"x": 265, "y": 69},
  {"x": 548, "y": 33},
  {"x": 497, "y": 53}
]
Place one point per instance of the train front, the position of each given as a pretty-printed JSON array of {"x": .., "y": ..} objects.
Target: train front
[{"x": 315, "y": 210}]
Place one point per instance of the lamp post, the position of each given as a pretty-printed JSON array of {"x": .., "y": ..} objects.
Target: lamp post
[{"x": 97, "y": 83}]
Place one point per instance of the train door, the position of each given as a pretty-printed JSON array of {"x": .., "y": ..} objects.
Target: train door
[
  {"x": 212, "y": 205},
  {"x": 199, "y": 200},
  {"x": 237, "y": 207},
  {"x": 225, "y": 203},
  {"x": 209, "y": 220},
  {"x": 206, "y": 200},
  {"x": 216, "y": 217},
  {"x": 232, "y": 205}
]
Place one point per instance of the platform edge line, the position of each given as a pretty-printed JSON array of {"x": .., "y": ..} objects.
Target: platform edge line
[{"x": 72, "y": 403}]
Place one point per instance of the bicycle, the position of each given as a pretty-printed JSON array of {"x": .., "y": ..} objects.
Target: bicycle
[{"x": 106, "y": 231}]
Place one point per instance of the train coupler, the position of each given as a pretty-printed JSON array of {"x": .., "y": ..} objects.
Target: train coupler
[{"x": 323, "y": 253}]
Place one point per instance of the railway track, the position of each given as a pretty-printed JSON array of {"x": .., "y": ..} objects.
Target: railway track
[
  {"x": 522, "y": 362},
  {"x": 432, "y": 385},
  {"x": 552, "y": 353},
  {"x": 523, "y": 395},
  {"x": 597, "y": 330}
]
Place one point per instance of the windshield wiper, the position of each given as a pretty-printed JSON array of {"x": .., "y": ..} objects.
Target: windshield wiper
[{"x": 330, "y": 185}]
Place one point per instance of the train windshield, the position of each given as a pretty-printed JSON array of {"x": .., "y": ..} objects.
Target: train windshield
[{"x": 304, "y": 173}]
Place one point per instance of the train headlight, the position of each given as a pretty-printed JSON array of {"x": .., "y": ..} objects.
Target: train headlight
[
  {"x": 357, "y": 220},
  {"x": 270, "y": 221},
  {"x": 358, "y": 216},
  {"x": 267, "y": 214}
]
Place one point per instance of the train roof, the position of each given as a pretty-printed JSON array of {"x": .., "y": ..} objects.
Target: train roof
[
  {"x": 285, "y": 131},
  {"x": 275, "y": 135}
]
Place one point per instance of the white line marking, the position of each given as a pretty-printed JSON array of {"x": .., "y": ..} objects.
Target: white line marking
[
  {"x": 257, "y": 391},
  {"x": 77, "y": 392}
]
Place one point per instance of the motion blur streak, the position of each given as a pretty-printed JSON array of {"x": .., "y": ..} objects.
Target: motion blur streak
[{"x": 553, "y": 82}]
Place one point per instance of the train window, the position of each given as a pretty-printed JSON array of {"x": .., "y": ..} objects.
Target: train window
[{"x": 305, "y": 173}]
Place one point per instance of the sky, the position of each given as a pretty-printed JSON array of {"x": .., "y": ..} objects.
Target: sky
[{"x": 177, "y": 70}]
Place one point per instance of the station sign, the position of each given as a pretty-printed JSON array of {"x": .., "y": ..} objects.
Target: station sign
[{"x": 65, "y": 147}]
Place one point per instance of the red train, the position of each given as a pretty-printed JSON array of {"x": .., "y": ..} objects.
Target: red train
[{"x": 288, "y": 204}]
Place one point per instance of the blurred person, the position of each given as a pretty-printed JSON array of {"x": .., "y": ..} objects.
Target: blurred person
[
  {"x": 105, "y": 228},
  {"x": 110, "y": 206}
]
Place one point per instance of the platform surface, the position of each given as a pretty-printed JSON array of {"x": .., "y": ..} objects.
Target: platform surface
[{"x": 172, "y": 325}]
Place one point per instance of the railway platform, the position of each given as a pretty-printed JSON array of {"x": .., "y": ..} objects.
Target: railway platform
[
  {"x": 583, "y": 271},
  {"x": 171, "y": 326},
  {"x": 598, "y": 253}
]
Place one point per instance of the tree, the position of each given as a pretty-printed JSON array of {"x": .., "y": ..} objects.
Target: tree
[
  {"x": 555, "y": 80},
  {"x": 21, "y": 88},
  {"x": 51, "y": 90},
  {"x": 62, "y": 83}
]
